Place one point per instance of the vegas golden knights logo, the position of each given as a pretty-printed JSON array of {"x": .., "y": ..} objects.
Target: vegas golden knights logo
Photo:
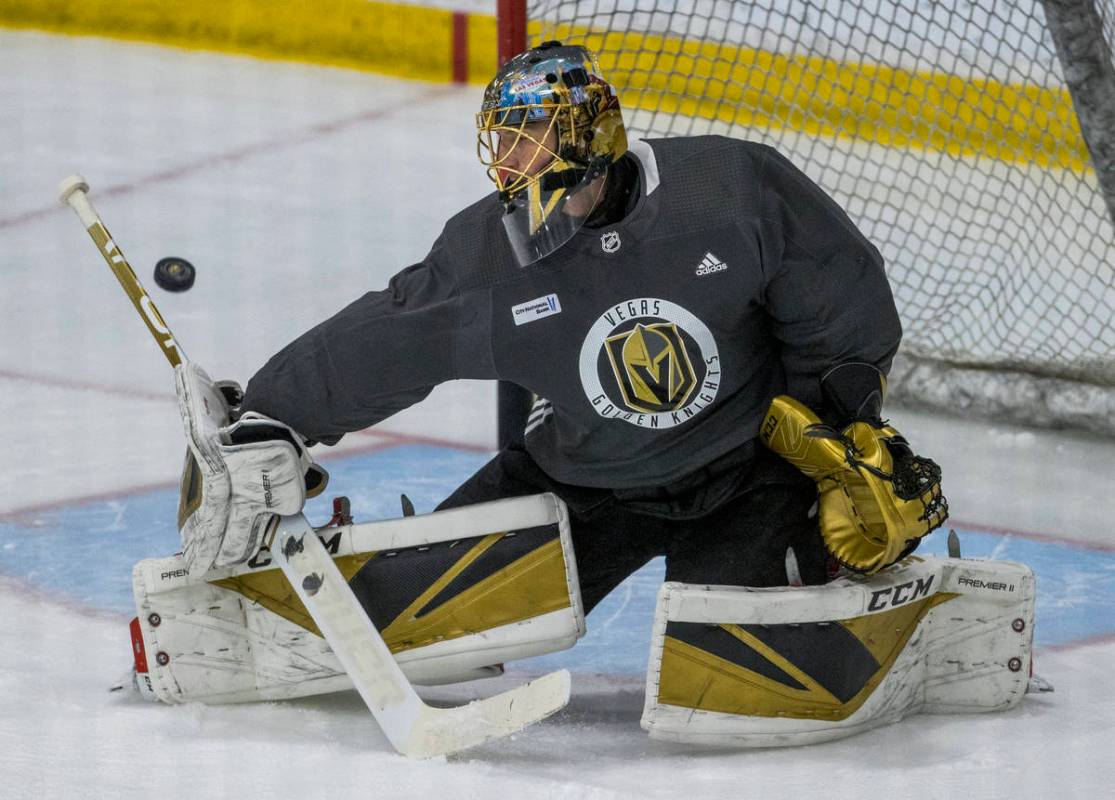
[
  {"x": 649, "y": 362},
  {"x": 652, "y": 367}
]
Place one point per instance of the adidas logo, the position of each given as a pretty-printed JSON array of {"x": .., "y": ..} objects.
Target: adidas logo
[{"x": 710, "y": 264}]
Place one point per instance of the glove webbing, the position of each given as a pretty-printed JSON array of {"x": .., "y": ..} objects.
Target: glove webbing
[{"x": 912, "y": 476}]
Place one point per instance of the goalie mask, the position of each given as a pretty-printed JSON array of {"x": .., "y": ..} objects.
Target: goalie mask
[{"x": 549, "y": 127}]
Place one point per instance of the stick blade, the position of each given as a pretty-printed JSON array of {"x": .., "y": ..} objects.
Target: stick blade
[
  {"x": 441, "y": 731},
  {"x": 413, "y": 728}
]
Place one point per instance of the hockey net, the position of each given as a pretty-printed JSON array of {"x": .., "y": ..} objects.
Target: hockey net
[{"x": 947, "y": 131}]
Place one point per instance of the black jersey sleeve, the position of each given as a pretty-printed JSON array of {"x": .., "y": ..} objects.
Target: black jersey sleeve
[
  {"x": 825, "y": 287},
  {"x": 379, "y": 355}
]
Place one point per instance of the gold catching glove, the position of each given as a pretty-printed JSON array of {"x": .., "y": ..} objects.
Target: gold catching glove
[{"x": 876, "y": 498}]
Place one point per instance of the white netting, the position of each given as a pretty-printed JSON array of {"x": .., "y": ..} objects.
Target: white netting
[{"x": 945, "y": 130}]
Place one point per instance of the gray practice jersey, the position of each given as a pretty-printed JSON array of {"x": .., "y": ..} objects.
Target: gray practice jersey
[{"x": 654, "y": 346}]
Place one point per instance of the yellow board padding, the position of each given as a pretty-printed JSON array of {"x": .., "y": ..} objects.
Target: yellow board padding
[
  {"x": 747, "y": 87},
  {"x": 819, "y": 96},
  {"x": 530, "y": 586},
  {"x": 394, "y": 39},
  {"x": 690, "y": 677}
]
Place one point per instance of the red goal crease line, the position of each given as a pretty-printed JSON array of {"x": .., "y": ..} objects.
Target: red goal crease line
[
  {"x": 307, "y": 134},
  {"x": 381, "y": 441}
]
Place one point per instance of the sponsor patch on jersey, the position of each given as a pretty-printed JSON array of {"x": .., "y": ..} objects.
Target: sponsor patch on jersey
[
  {"x": 536, "y": 309},
  {"x": 650, "y": 363}
]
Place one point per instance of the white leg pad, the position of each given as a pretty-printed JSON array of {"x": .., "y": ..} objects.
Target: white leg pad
[
  {"x": 733, "y": 666},
  {"x": 240, "y": 634}
]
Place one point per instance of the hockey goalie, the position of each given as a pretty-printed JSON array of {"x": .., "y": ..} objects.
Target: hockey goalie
[{"x": 706, "y": 335}]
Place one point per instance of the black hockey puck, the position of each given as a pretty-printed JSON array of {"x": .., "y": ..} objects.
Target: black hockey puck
[{"x": 174, "y": 274}]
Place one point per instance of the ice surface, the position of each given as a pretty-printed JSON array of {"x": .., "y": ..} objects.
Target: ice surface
[
  {"x": 294, "y": 189},
  {"x": 64, "y": 736}
]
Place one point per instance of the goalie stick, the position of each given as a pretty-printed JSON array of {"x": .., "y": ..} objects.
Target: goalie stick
[
  {"x": 413, "y": 728},
  {"x": 73, "y": 192}
]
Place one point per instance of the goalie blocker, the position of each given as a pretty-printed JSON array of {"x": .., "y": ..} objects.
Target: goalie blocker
[{"x": 775, "y": 667}]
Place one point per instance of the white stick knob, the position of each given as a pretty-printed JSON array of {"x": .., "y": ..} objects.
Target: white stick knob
[{"x": 74, "y": 183}]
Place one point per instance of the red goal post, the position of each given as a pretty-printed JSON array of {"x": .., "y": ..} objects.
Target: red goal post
[{"x": 511, "y": 16}]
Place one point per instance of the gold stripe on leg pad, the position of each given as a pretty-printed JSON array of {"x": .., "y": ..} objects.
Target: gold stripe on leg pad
[{"x": 816, "y": 670}]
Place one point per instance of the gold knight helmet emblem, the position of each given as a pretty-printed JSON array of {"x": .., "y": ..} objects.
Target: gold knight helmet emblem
[{"x": 652, "y": 367}]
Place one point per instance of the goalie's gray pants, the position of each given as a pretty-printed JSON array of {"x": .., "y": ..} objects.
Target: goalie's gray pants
[{"x": 731, "y": 525}]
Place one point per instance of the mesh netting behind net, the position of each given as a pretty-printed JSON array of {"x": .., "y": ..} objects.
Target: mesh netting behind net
[{"x": 946, "y": 132}]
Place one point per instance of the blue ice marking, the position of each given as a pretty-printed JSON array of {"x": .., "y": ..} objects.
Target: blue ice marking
[{"x": 85, "y": 553}]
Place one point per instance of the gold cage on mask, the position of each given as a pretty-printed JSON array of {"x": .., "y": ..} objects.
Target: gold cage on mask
[
  {"x": 516, "y": 146},
  {"x": 586, "y": 126}
]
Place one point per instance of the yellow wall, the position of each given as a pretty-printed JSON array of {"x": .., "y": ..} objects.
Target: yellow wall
[
  {"x": 751, "y": 88},
  {"x": 886, "y": 105},
  {"x": 407, "y": 41}
]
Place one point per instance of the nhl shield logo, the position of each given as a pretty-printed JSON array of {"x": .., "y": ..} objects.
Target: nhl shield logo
[{"x": 609, "y": 242}]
